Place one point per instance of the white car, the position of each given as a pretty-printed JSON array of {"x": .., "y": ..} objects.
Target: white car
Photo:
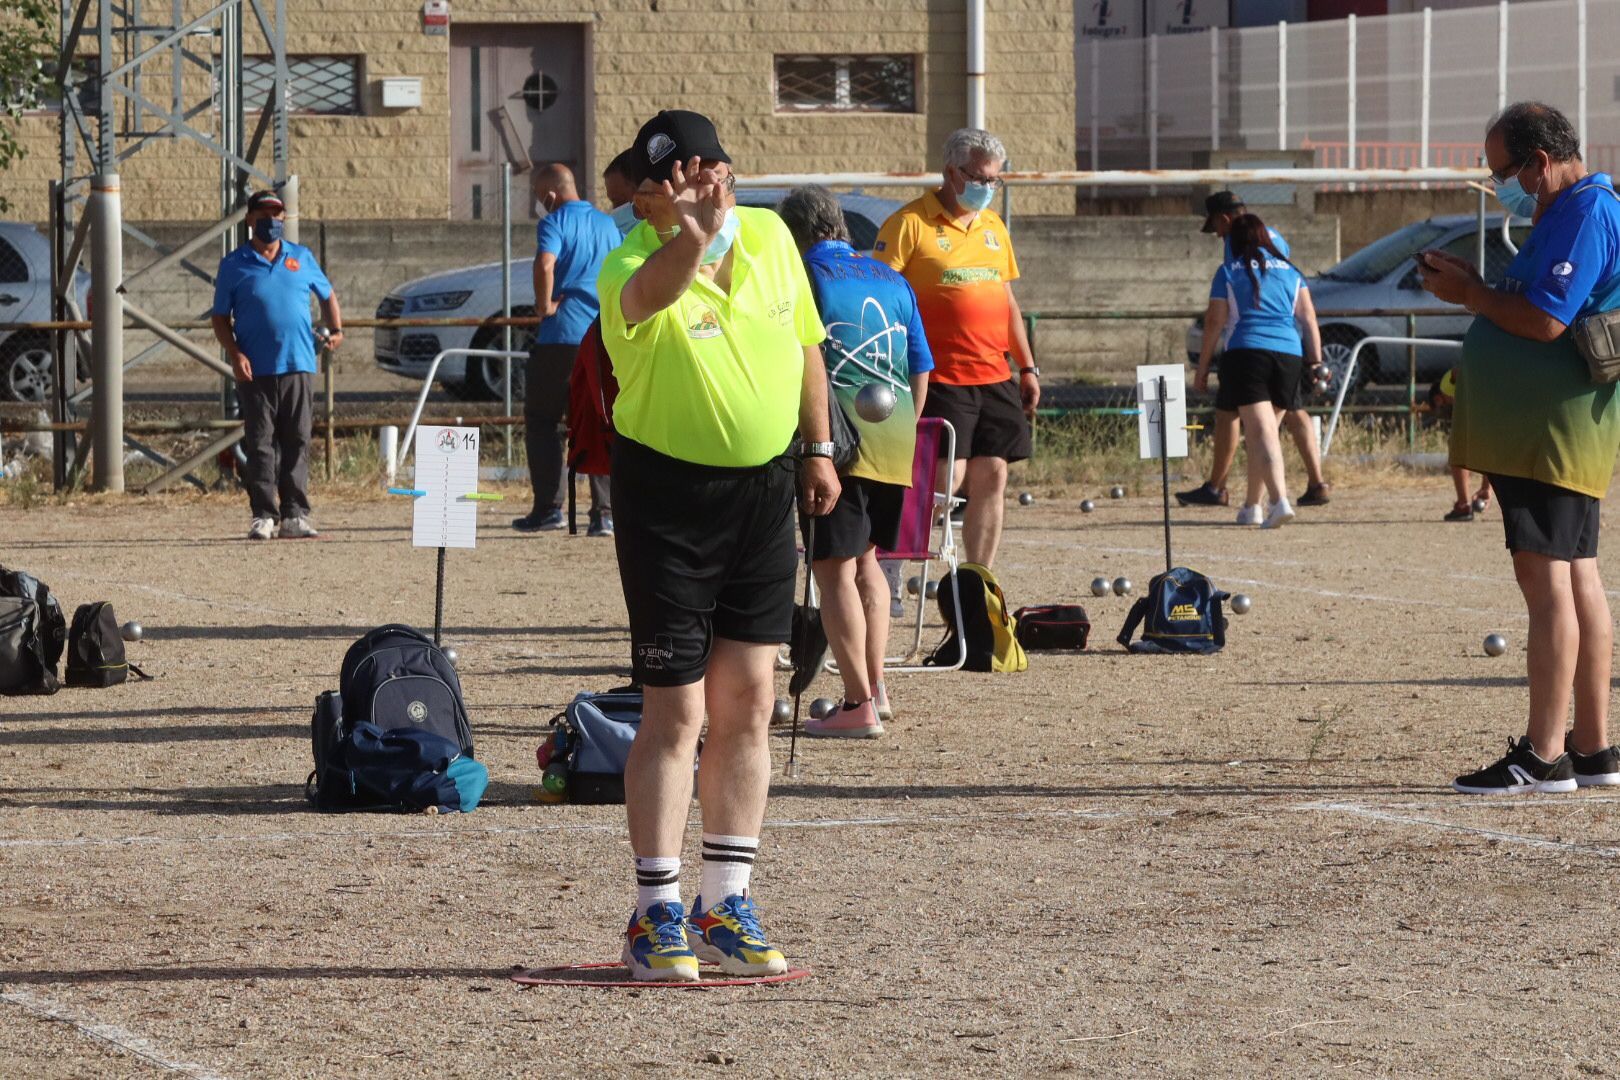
[
  {"x": 27, "y": 372},
  {"x": 476, "y": 291}
]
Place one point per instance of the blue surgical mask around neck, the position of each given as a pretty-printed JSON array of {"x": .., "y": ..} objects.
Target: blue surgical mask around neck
[
  {"x": 976, "y": 196},
  {"x": 625, "y": 218},
  {"x": 1514, "y": 199},
  {"x": 723, "y": 239},
  {"x": 267, "y": 230}
]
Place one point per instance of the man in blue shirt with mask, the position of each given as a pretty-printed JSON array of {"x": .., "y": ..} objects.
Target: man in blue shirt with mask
[
  {"x": 261, "y": 319},
  {"x": 571, "y": 242}
]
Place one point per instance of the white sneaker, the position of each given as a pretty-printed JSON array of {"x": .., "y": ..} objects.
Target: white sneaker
[
  {"x": 1250, "y": 514},
  {"x": 885, "y": 711},
  {"x": 1282, "y": 512},
  {"x": 262, "y": 529},
  {"x": 298, "y": 528}
]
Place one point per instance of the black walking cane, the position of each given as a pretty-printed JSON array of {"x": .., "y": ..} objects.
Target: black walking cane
[{"x": 803, "y": 651}]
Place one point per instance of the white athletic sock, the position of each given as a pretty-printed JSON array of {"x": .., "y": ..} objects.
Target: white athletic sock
[
  {"x": 727, "y": 863},
  {"x": 658, "y": 881}
]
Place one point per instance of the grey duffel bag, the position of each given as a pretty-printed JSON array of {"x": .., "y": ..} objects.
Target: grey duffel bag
[{"x": 23, "y": 669}]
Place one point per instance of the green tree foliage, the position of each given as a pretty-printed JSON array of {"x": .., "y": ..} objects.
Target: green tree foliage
[{"x": 26, "y": 31}]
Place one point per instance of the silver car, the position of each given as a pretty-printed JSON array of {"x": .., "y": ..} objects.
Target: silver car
[
  {"x": 26, "y": 370},
  {"x": 1383, "y": 276},
  {"x": 476, "y": 291}
]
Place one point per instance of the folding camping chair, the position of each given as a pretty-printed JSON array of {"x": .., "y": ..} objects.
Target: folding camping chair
[{"x": 927, "y": 534}]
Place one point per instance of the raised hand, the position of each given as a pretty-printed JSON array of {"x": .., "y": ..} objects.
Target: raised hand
[{"x": 698, "y": 196}]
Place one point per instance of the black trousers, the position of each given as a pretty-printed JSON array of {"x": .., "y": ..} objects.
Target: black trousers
[
  {"x": 277, "y": 414},
  {"x": 545, "y": 405}
]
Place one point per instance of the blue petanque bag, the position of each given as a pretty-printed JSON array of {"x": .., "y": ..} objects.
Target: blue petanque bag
[
  {"x": 590, "y": 745},
  {"x": 1181, "y": 613}
]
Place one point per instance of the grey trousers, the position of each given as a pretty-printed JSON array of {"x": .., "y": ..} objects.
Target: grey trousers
[
  {"x": 545, "y": 404},
  {"x": 277, "y": 413}
]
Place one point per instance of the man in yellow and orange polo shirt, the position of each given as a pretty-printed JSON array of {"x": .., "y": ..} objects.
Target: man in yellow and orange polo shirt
[{"x": 955, "y": 252}]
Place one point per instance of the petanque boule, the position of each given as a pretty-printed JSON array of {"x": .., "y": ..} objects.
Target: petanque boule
[
  {"x": 1099, "y": 586},
  {"x": 875, "y": 402},
  {"x": 931, "y": 590},
  {"x": 782, "y": 711},
  {"x": 821, "y": 708},
  {"x": 1241, "y": 603},
  {"x": 1026, "y": 499},
  {"x": 1122, "y": 585},
  {"x": 131, "y": 631},
  {"x": 1116, "y": 492},
  {"x": 1479, "y": 506},
  {"x": 913, "y": 586},
  {"x": 454, "y": 657},
  {"x": 1087, "y": 506},
  {"x": 1495, "y": 644}
]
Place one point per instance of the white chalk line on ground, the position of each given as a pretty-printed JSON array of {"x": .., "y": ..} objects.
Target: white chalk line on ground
[
  {"x": 527, "y": 830},
  {"x": 126, "y": 1041},
  {"x": 1358, "y": 810},
  {"x": 231, "y": 605}
]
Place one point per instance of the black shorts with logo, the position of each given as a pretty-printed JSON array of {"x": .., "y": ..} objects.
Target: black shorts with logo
[
  {"x": 867, "y": 513},
  {"x": 704, "y": 552},
  {"x": 1547, "y": 520},
  {"x": 989, "y": 419},
  {"x": 1251, "y": 376}
]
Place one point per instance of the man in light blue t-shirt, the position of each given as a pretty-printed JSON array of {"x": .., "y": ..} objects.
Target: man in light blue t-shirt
[{"x": 570, "y": 243}]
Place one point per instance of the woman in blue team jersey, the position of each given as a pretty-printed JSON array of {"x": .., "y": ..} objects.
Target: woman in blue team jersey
[{"x": 1273, "y": 341}]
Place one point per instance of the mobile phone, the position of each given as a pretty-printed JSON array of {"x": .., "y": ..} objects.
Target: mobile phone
[{"x": 1422, "y": 259}]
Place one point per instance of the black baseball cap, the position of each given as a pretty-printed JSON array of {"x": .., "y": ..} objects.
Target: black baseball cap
[
  {"x": 1222, "y": 202},
  {"x": 265, "y": 200},
  {"x": 674, "y": 135}
]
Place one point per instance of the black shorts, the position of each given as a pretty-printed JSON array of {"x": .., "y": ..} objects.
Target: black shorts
[
  {"x": 704, "y": 552},
  {"x": 1250, "y": 376},
  {"x": 1547, "y": 520},
  {"x": 989, "y": 419},
  {"x": 866, "y": 514}
]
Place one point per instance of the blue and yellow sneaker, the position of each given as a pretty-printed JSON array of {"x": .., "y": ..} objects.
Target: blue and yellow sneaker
[
  {"x": 729, "y": 934},
  {"x": 655, "y": 948}
]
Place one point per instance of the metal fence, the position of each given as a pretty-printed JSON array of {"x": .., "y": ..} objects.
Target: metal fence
[{"x": 1396, "y": 90}]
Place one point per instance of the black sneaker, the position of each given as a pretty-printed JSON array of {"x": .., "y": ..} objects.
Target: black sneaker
[
  {"x": 540, "y": 521},
  {"x": 1520, "y": 772},
  {"x": 1202, "y": 495},
  {"x": 1316, "y": 495},
  {"x": 1600, "y": 769},
  {"x": 1460, "y": 512}
]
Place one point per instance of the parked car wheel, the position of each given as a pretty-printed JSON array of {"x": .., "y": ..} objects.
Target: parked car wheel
[
  {"x": 27, "y": 372},
  {"x": 485, "y": 379},
  {"x": 1337, "y": 344}
]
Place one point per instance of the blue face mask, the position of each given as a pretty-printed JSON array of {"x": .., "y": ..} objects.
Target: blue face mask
[
  {"x": 976, "y": 196},
  {"x": 267, "y": 230},
  {"x": 723, "y": 239},
  {"x": 1514, "y": 199},
  {"x": 625, "y": 218}
]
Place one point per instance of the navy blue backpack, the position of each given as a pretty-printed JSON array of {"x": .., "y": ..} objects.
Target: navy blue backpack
[{"x": 1181, "y": 613}]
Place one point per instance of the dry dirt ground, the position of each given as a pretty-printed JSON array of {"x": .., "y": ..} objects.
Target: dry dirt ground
[{"x": 1247, "y": 864}]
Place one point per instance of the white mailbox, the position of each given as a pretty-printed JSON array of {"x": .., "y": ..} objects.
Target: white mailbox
[{"x": 404, "y": 93}]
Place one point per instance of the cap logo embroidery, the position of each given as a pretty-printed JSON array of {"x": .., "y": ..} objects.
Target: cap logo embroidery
[{"x": 659, "y": 147}]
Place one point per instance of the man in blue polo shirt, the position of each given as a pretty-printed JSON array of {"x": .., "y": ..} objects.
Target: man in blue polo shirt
[
  {"x": 570, "y": 243},
  {"x": 261, "y": 319}
]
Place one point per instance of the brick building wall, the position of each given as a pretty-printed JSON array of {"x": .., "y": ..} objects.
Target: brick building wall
[{"x": 713, "y": 55}]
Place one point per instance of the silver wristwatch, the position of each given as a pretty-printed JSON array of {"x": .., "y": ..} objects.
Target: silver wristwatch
[{"x": 818, "y": 449}]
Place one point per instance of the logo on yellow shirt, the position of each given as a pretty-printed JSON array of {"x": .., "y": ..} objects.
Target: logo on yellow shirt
[
  {"x": 990, "y": 241},
  {"x": 705, "y": 325},
  {"x": 941, "y": 239}
]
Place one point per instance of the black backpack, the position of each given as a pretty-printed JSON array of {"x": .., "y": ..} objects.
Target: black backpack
[
  {"x": 988, "y": 627},
  {"x": 32, "y": 635},
  {"x": 1182, "y": 612},
  {"x": 95, "y": 652},
  {"x": 393, "y": 678}
]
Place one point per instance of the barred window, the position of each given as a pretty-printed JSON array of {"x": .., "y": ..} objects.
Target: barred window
[
  {"x": 316, "y": 85},
  {"x": 806, "y": 83}
]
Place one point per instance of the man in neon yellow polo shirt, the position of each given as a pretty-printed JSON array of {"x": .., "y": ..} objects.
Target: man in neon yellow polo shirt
[{"x": 708, "y": 316}]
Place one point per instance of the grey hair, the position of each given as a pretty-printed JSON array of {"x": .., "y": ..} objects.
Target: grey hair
[
  {"x": 965, "y": 144},
  {"x": 812, "y": 213}
]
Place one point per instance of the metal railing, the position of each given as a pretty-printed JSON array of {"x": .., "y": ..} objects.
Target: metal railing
[
  {"x": 403, "y": 447},
  {"x": 1349, "y": 371}
]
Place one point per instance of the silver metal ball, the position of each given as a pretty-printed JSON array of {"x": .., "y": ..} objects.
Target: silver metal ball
[
  {"x": 131, "y": 631},
  {"x": 875, "y": 402},
  {"x": 454, "y": 657},
  {"x": 1495, "y": 644},
  {"x": 1026, "y": 499},
  {"x": 1479, "y": 505},
  {"x": 1087, "y": 506},
  {"x": 913, "y": 586},
  {"x": 932, "y": 590},
  {"x": 1099, "y": 586},
  {"x": 782, "y": 711},
  {"x": 1241, "y": 603},
  {"x": 1116, "y": 492},
  {"x": 1122, "y": 585},
  {"x": 821, "y": 708}
]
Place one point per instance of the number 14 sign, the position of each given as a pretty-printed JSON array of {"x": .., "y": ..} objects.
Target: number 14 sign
[{"x": 447, "y": 471}]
